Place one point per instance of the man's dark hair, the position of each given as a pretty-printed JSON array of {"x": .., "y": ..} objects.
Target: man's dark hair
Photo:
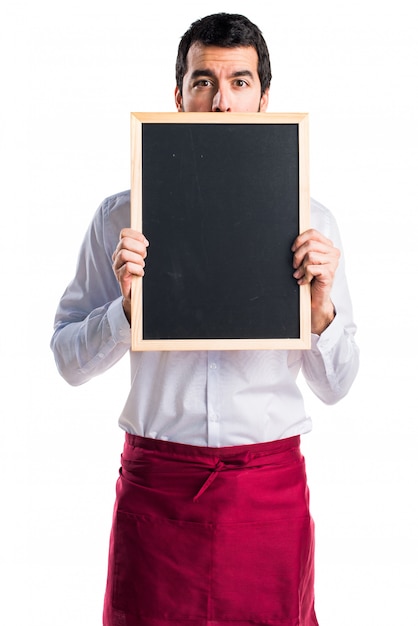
[{"x": 226, "y": 31}]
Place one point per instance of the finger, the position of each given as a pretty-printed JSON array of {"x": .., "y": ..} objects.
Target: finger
[
  {"x": 310, "y": 235},
  {"x": 124, "y": 274},
  {"x": 126, "y": 271},
  {"x": 314, "y": 253},
  {"x": 124, "y": 257},
  {"x": 132, "y": 245},
  {"x": 321, "y": 273},
  {"x": 130, "y": 238},
  {"x": 131, "y": 233}
]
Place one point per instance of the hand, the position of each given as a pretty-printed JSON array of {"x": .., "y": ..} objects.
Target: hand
[
  {"x": 315, "y": 260},
  {"x": 128, "y": 261}
]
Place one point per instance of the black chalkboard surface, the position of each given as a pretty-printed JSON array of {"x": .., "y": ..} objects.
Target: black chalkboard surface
[{"x": 221, "y": 199}]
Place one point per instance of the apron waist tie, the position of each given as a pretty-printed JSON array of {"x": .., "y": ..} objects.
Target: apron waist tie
[{"x": 220, "y": 465}]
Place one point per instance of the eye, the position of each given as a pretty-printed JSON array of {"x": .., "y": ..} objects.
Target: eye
[
  {"x": 240, "y": 82},
  {"x": 202, "y": 83}
]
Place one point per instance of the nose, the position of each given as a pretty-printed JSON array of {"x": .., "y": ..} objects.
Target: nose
[{"x": 220, "y": 102}]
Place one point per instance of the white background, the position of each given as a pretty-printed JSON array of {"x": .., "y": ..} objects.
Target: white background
[{"x": 71, "y": 73}]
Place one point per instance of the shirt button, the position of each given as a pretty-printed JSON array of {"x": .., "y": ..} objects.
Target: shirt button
[
  {"x": 213, "y": 366},
  {"x": 213, "y": 417}
]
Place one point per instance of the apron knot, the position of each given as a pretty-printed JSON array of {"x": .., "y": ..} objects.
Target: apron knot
[{"x": 220, "y": 465}]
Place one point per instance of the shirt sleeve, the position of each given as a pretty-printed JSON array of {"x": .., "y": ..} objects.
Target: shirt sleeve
[
  {"x": 331, "y": 365},
  {"x": 91, "y": 332}
]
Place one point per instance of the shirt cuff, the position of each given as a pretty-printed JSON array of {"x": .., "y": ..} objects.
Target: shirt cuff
[
  {"x": 119, "y": 325},
  {"x": 329, "y": 338}
]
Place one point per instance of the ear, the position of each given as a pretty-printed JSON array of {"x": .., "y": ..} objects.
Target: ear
[
  {"x": 264, "y": 101},
  {"x": 179, "y": 100}
]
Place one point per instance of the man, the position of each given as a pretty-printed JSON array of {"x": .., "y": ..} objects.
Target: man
[{"x": 211, "y": 522}]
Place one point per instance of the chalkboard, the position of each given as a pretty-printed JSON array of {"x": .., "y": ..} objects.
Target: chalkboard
[{"x": 221, "y": 199}]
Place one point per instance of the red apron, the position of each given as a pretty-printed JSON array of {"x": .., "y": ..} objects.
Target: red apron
[{"x": 211, "y": 537}]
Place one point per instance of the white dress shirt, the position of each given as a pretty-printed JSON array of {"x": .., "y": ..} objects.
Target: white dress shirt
[{"x": 214, "y": 398}]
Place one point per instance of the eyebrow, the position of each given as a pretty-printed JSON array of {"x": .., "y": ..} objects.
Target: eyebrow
[{"x": 207, "y": 72}]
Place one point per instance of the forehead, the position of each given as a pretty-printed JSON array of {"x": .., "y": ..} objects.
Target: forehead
[{"x": 200, "y": 57}]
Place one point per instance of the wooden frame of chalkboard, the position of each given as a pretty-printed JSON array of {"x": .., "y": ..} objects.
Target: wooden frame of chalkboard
[{"x": 221, "y": 199}]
